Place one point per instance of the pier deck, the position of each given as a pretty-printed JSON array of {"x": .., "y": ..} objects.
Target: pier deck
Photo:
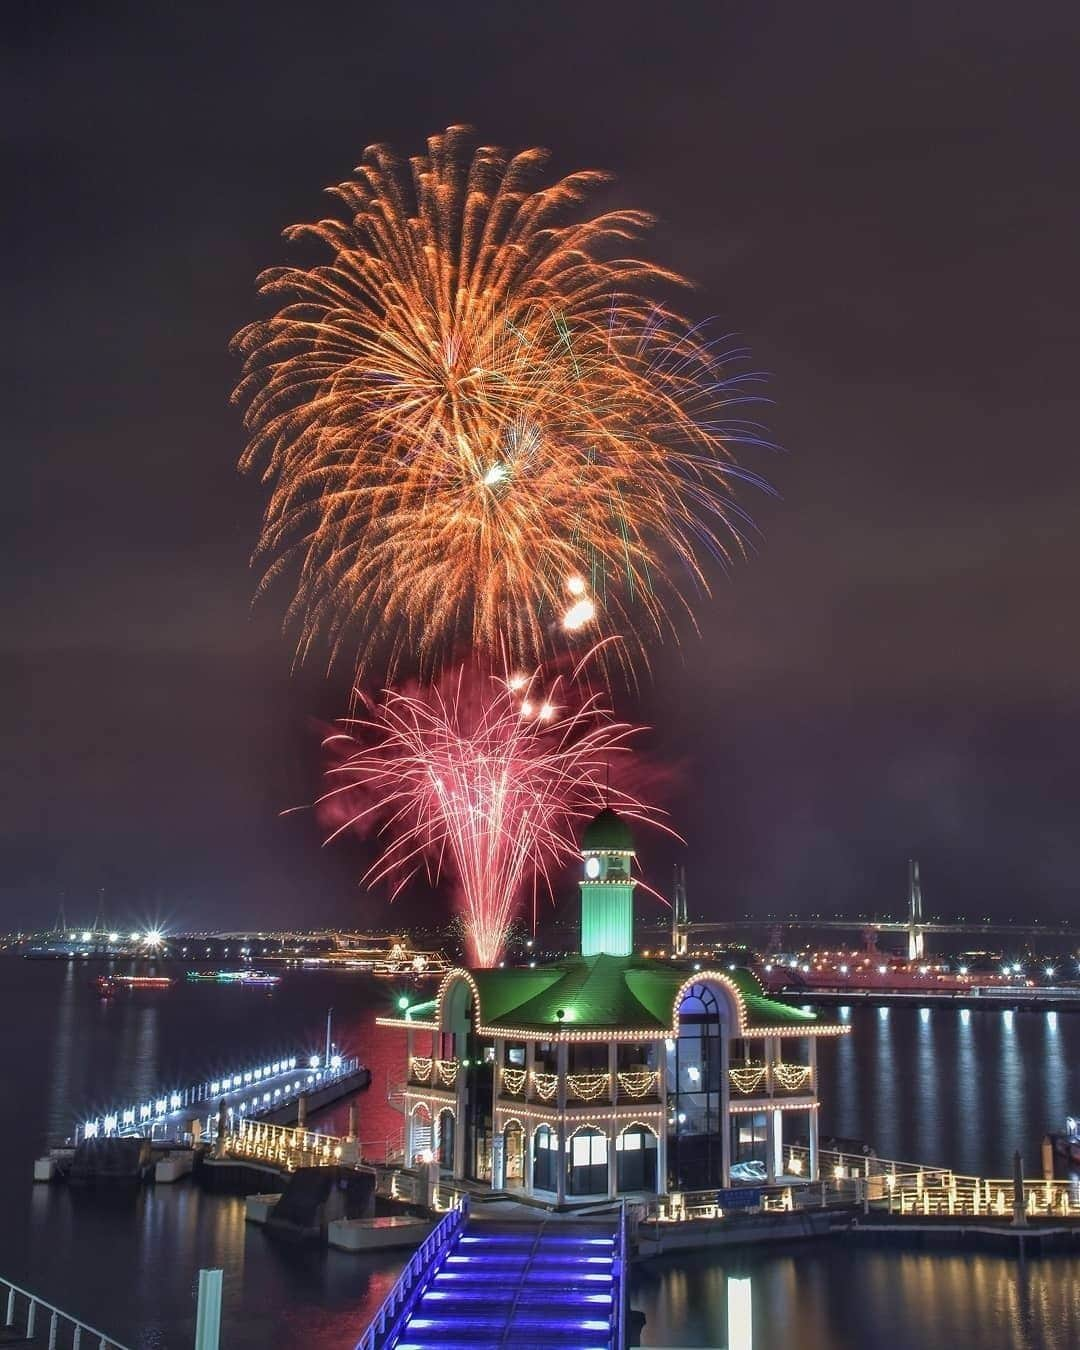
[{"x": 269, "y": 1091}]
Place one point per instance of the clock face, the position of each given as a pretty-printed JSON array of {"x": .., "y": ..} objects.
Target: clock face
[{"x": 592, "y": 867}]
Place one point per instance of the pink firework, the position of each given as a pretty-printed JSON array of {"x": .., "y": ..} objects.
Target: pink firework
[{"x": 486, "y": 779}]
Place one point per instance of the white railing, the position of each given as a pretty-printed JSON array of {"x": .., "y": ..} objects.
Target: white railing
[
  {"x": 906, "y": 1190},
  {"x": 588, "y": 1087},
  {"x": 415, "y": 1278},
  {"x": 761, "y": 1080},
  {"x": 247, "y": 1092},
  {"x": 22, "y": 1311},
  {"x": 637, "y": 1083},
  {"x": 282, "y": 1146}
]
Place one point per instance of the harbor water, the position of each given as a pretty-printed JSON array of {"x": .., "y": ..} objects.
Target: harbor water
[{"x": 944, "y": 1086}]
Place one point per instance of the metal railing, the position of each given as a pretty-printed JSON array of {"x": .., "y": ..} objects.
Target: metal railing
[
  {"x": 414, "y": 1280},
  {"x": 767, "y": 1080},
  {"x": 248, "y": 1092},
  {"x": 62, "y": 1327},
  {"x": 906, "y": 1190},
  {"x": 284, "y": 1147},
  {"x": 620, "y": 1269}
]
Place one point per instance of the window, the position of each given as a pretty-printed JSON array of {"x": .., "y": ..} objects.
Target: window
[
  {"x": 545, "y": 1159},
  {"x": 588, "y": 1163}
]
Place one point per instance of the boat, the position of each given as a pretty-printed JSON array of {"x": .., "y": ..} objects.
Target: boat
[
  {"x": 391, "y": 957},
  {"x": 244, "y": 977},
  {"x": 875, "y": 971},
  {"x": 110, "y": 985}
]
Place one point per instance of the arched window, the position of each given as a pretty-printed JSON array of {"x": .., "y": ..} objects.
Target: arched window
[
  {"x": 545, "y": 1159},
  {"x": 696, "y": 1064},
  {"x": 588, "y": 1163},
  {"x": 635, "y": 1159}
]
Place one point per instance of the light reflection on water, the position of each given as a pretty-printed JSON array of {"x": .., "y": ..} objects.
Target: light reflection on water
[
  {"x": 836, "y": 1296},
  {"x": 955, "y": 1088},
  {"x": 959, "y": 1088}
]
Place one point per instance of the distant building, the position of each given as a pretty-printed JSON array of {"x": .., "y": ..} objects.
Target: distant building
[{"x": 607, "y": 1073}]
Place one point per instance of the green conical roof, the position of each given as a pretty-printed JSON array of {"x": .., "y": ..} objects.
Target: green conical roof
[{"x": 607, "y": 833}]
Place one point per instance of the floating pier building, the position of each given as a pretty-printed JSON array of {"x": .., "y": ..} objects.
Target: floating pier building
[{"x": 609, "y": 1073}]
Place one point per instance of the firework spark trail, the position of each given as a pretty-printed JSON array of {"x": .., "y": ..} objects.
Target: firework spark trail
[
  {"x": 486, "y": 779},
  {"x": 474, "y": 398}
]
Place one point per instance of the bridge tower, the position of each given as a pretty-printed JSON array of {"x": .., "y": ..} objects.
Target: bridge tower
[
  {"x": 680, "y": 915},
  {"x": 916, "y": 939}
]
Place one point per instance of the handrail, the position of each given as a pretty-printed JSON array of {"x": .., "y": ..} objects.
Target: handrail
[
  {"x": 34, "y": 1302},
  {"x": 622, "y": 1257},
  {"x": 419, "y": 1269},
  {"x": 159, "y": 1112}
]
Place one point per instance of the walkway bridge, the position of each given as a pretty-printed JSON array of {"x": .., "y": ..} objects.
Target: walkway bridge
[{"x": 544, "y": 1285}]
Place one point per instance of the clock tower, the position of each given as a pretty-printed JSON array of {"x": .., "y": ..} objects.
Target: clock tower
[{"x": 607, "y": 889}]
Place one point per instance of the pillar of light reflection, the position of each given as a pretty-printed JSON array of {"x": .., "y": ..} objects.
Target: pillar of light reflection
[{"x": 740, "y": 1326}]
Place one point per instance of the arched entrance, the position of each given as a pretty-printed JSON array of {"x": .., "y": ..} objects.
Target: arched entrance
[
  {"x": 635, "y": 1159},
  {"x": 588, "y": 1173},
  {"x": 446, "y": 1132},
  {"x": 697, "y": 1063},
  {"x": 545, "y": 1159},
  {"x": 514, "y": 1155},
  {"x": 417, "y": 1134}
]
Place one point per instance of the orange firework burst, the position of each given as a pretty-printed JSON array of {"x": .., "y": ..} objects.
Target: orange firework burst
[{"x": 473, "y": 407}]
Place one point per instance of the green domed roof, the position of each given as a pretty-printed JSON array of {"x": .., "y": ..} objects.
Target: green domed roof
[{"x": 608, "y": 833}]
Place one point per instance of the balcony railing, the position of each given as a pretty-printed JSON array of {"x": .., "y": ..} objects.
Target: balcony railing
[
  {"x": 512, "y": 1082},
  {"x": 437, "y": 1073},
  {"x": 447, "y": 1071},
  {"x": 587, "y": 1087},
  {"x": 539, "y": 1085},
  {"x": 767, "y": 1080},
  {"x": 544, "y": 1085},
  {"x": 791, "y": 1077},
  {"x": 639, "y": 1083}
]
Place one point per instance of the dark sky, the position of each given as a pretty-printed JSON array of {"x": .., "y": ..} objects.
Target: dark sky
[{"x": 882, "y": 199}]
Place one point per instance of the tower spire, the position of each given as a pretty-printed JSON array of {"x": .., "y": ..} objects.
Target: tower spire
[{"x": 680, "y": 916}]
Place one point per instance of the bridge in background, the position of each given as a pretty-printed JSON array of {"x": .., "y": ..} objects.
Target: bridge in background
[{"x": 915, "y": 925}]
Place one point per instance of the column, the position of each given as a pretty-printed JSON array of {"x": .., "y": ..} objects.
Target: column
[
  {"x": 560, "y": 1166},
  {"x": 778, "y": 1144},
  {"x": 498, "y": 1157},
  {"x": 811, "y": 1059},
  {"x": 529, "y": 1134},
  {"x": 408, "y": 1133},
  {"x": 613, "y": 1071},
  {"x": 612, "y": 1161},
  {"x": 725, "y": 1109},
  {"x": 813, "y": 1168},
  {"x": 770, "y": 1147},
  {"x": 530, "y": 1064},
  {"x": 562, "y": 1064},
  {"x": 498, "y": 1140},
  {"x": 661, "y": 1134}
]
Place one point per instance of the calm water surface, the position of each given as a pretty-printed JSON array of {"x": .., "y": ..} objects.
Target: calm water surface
[{"x": 943, "y": 1087}]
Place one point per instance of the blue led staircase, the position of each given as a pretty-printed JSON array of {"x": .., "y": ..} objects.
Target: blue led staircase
[{"x": 547, "y": 1286}]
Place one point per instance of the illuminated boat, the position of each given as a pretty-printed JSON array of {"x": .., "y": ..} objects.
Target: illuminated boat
[
  {"x": 108, "y": 985},
  {"x": 874, "y": 971},
  {"x": 244, "y": 977}
]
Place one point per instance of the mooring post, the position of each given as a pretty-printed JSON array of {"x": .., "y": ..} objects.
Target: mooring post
[{"x": 208, "y": 1311}]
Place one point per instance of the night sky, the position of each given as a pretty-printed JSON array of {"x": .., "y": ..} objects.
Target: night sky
[{"x": 882, "y": 200}]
